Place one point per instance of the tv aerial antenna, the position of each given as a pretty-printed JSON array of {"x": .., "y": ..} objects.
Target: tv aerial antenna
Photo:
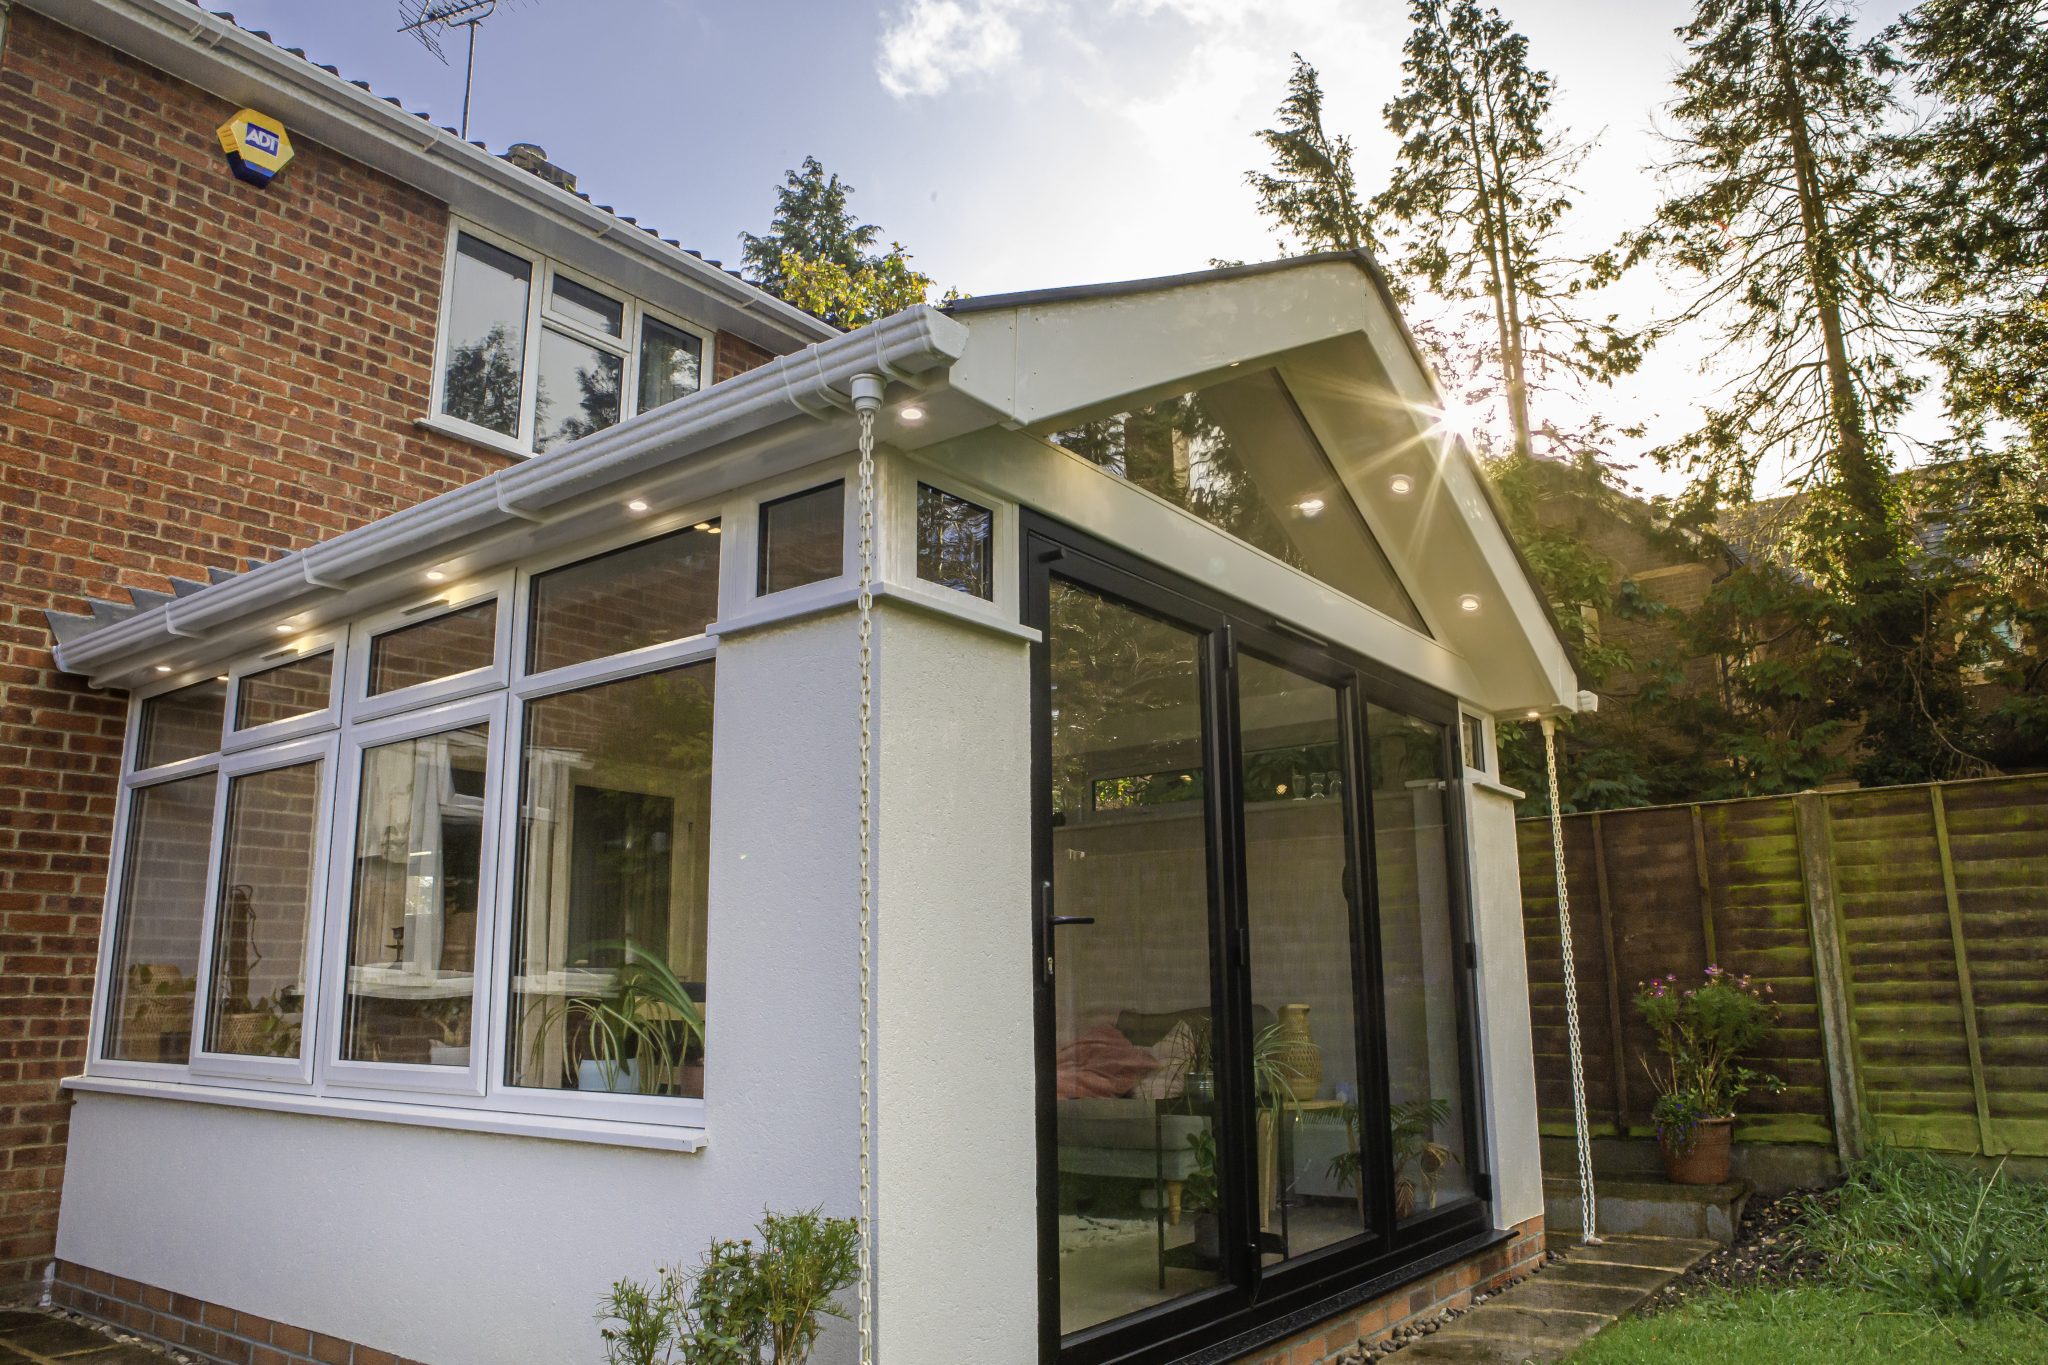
[{"x": 424, "y": 19}]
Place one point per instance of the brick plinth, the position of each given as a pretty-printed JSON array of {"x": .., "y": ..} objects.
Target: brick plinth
[
  {"x": 205, "y": 1329},
  {"x": 1371, "y": 1324}
]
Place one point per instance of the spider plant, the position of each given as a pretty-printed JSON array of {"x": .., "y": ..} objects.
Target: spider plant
[{"x": 648, "y": 1014}]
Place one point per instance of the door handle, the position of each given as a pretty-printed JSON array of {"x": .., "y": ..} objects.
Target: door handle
[{"x": 1057, "y": 920}]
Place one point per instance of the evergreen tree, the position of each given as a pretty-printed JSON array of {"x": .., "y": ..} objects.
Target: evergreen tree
[
  {"x": 1480, "y": 186},
  {"x": 818, "y": 256},
  {"x": 813, "y": 223},
  {"x": 1980, "y": 199},
  {"x": 1785, "y": 212},
  {"x": 1311, "y": 192}
]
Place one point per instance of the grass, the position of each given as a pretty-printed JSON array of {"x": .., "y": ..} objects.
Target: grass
[{"x": 1919, "y": 1259}]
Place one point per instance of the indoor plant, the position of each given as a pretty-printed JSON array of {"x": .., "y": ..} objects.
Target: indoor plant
[
  {"x": 637, "y": 1035},
  {"x": 1703, "y": 1034}
]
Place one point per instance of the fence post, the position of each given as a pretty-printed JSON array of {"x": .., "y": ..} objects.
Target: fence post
[
  {"x": 1830, "y": 972},
  {"x": 1699, "y": 867},
  {"x": 1613, "y": 980},
  {"x": 1964, "y": 989}
]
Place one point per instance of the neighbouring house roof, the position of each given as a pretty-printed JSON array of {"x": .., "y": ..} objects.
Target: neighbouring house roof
[
  {"x": 995, "y": 379},
  {"x": 211, "y": 51}
]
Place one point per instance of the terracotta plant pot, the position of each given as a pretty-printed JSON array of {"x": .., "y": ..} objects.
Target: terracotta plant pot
[{"x": 1706, "y": 1162}]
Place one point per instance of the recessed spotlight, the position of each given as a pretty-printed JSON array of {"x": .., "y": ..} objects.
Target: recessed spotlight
[
  {"x": 163, "y": 668},
  {"x": 701, "y": 526},
  {"x": 283, "y": 629},
  {"x": 713, "y": 530},
  {"x": 1402, "y": 485},
  {"x": 436, "y": 576},
  {"x": 1309, "y": 507},
  {"x": 221, "y": 678},
  {"x": 1469, "y": 602},
  {"x": 1535, "y": 714},
  {"x": 637, "y": 505},
  {"x": 910, "y": 412}
]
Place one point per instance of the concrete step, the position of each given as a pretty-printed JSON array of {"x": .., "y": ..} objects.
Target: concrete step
[
  {"x": 1553, "y": 1313},
  {"x": 1648, "y": 1205}
]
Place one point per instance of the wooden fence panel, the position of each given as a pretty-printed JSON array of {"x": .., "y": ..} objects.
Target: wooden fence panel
[
  {"x": 1939, "y": 904},
  {"x": 1901, "y": 965},
  {"x": 1998, "y": 836}
]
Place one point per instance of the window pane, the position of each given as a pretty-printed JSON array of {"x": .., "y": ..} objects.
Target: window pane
[
  {"x": 1135, "y": 1108},
  {"x": 1304, "y": 983},
  {"x": 1240, "y": 456},
  {"x": 181, "y": 724},
  {"x": 665, "y": 589},
  {"x": 258, "y": 988},
  {"x": 581, "y": 304},
  {"x": 1425, "y": 1057},
  {"x": 954, "y": 542},
  {"x": 609, "y": 920},
  {"x": 413, "y": 902},
  {"x": 298, "y": 688},
  {"x": 452, "y": 643},
  {"x": 486, "y": 341},
  {"x": 671, "y": 363},
  {"x": 579, "y": 389},
  {"x": 803, "y": 538},
  {"x": 157, "y": 921},
  {"x": 1475, "y": 743}
]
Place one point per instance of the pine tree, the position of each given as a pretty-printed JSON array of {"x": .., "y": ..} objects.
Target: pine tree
[
  {"x": 1311, "y": 192},
  {"x": 1785, "y": 214},
  {"x": 1480, "y": 186}
]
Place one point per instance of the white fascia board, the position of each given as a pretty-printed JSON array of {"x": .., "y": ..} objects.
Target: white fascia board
[
  {"x": 185, "y": 41},
  {"x": 907, "y": 348}
]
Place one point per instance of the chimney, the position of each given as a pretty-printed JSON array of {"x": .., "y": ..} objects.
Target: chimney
[{"x": 532, "y": 158}]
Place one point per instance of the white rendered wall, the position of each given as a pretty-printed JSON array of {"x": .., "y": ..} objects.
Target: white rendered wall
[
  {"x": 956, "y": 1142},
  {"x": 1506, "y": 1054},
  {"x": 474, "y": 1249}
]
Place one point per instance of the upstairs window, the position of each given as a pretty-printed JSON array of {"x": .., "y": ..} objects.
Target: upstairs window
[{"x": 532, "y": 357}]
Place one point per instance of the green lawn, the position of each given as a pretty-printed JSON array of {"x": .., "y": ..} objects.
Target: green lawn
[
  {"x": 1813, "y": 1325},
  {"x": 1913, "y": 1258}
]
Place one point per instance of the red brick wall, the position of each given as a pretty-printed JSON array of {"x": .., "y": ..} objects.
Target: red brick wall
[
  {"x": 196, "y": 373},
  {"x": 210, "y": 1330},
  {"x": 735, "y": 355}
]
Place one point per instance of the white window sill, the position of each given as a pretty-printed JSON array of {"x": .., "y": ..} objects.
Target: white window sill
[
  {"x": 481, "y": 437},
  {"x": 603, "y": 1132},
  {"x": 1487, "y": 784}
]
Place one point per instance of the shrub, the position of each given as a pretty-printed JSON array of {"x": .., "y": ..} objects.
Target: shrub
[{"x": 739, "y": 1300}]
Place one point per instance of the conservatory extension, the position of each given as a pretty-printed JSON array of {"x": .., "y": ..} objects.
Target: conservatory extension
[{"x": 487, "y": 917}]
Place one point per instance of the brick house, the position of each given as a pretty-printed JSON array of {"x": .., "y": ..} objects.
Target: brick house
[
  {"x": 398, "y": 560},
  {"x": 201, "y": 374}
]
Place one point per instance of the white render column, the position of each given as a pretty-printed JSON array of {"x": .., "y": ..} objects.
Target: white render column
[
  {"x": 1507, "y": 1055},
  {"x": 956, "y": 1200}
]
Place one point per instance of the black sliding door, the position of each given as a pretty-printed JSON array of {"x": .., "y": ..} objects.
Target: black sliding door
[{"x": 1255, "y": 1050}]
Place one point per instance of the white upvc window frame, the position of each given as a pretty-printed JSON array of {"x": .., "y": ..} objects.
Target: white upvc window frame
[
  {"x": 369, "y": 1079},
  {"x": 543, "y": 271},
  {"x": 333, "y": 640},
  {"x": 134, "y": 779},
  {"x": 496, "y": 693},
  {"x": 430, "y": 605},
  {"x": 234, "y": 1068},
  {"x": 898, "y": 479}
]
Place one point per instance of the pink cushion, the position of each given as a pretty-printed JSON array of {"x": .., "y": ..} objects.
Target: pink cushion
[{"x": 1101, "y": 1063}]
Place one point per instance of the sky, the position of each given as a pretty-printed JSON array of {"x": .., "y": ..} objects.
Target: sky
[{"x": 1008, "y": 144}]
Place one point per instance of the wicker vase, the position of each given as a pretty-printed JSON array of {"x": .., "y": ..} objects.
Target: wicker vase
[{"x": 1296, "y": 1056}]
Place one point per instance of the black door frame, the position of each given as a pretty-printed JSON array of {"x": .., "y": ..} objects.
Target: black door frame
[{"x": 1252, "y": 1297}]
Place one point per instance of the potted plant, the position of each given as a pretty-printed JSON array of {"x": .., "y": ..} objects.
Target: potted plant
[
  {"x": 1703, "y": 1034},
  {"x": 1412, "y": 1130},
  {"x": 638, "y": 1035}
]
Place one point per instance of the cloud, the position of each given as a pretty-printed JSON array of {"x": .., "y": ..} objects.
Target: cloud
[{"x": 931, "y": 43}]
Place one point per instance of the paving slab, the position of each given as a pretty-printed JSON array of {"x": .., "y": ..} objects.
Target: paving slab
[
  {"x": 33, "y": 1336},
  {"x": 1549, "y": 1315}
]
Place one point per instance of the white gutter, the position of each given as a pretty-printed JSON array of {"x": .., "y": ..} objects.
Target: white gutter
[
  {"x": 185, "y": 41},
  {"x": 812, "y": 382}
]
